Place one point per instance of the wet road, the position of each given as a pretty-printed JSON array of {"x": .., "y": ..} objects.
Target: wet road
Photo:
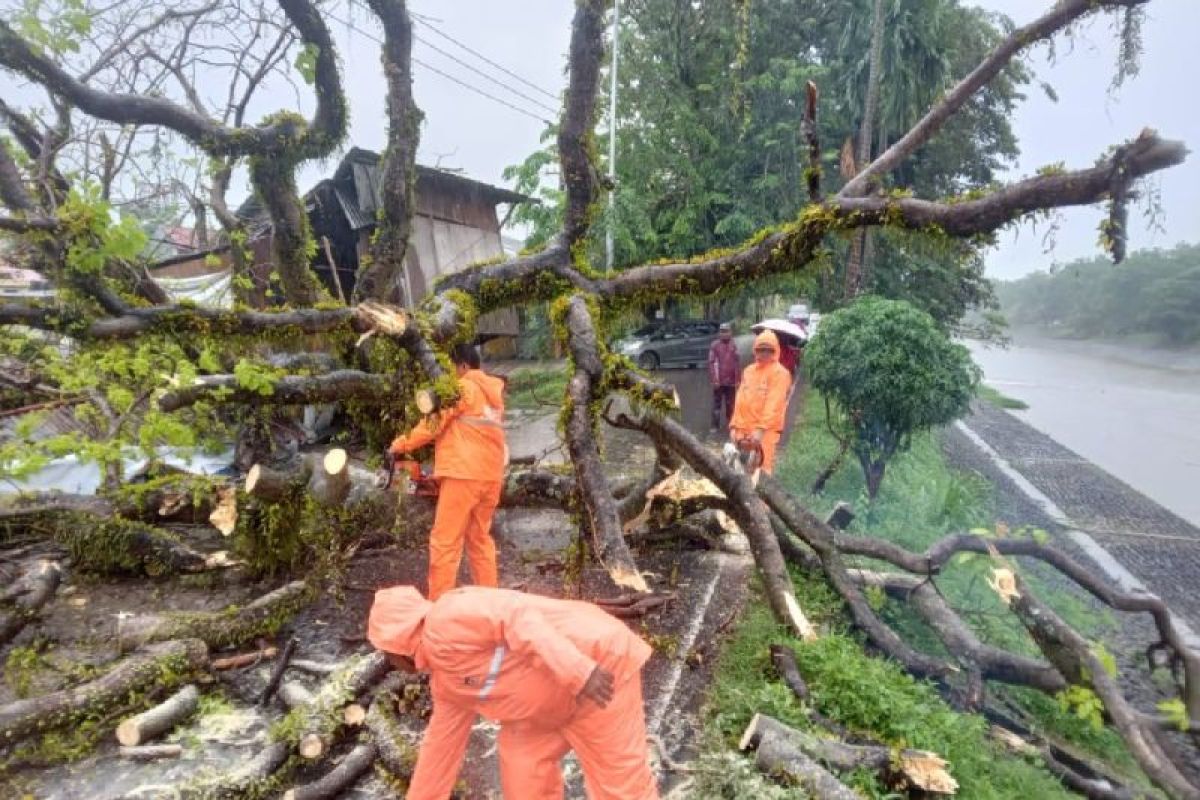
[{"x": 1134, "y": 413}]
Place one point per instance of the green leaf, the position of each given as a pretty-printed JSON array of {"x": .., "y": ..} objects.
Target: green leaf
[
  {"x": 1175, "y": 712},
  {"x": 306, "y": 63}
]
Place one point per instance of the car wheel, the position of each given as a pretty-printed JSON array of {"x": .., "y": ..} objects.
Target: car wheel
[{"x": 648, "y": 361}]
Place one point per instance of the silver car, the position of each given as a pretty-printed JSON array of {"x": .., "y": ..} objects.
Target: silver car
[{"x": 669, "y": 344}]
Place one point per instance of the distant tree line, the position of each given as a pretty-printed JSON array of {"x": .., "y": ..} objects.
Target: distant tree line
[{"x": 1153, "y": 296}]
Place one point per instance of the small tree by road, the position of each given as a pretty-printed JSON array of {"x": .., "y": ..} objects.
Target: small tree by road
[{"x": 893, "y": 374}]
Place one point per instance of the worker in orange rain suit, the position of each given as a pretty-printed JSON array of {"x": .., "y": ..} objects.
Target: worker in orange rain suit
[
  {"x": 762, "y": 398},
  {"x": 557, "y": 675},
  {"x": 470, "y": 455}
]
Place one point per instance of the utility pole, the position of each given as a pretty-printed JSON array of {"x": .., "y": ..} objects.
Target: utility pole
[{"x": 612, "y": 141}]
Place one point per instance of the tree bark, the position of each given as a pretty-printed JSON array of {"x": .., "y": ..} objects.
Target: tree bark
[
  {"x": 338, "y": 779},
  {"x": 36, "y": 586},
  {"x": 397, "y": 747},
  {"x": 322, "y": 717},
  {"x": 775, "y": 755},
  {"x": 277, "y": 671},
  {"x": 383, "y": 277},
  {"x": 605, "y": 523},
  {"x": 161, "y": 719},
  {"x": 151, "y": 752},
  {"x": 160, "y": 667},
  {"x": 228, "y": 628}
]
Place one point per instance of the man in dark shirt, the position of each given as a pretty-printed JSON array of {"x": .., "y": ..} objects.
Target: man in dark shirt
[{"x": 724, "y": 373}]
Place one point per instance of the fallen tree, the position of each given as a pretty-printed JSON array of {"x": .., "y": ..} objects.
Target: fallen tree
[{"x": 206, "y": 361}]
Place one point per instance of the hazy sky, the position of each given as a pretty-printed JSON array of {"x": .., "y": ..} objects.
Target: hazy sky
[{"x": 530, "y": 37}]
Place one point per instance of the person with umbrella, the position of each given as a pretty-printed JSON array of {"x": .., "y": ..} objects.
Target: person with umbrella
[{"x": 760, "y": 410}]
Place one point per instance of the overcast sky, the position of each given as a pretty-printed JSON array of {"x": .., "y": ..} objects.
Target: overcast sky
[
  {"x": 530, "y": 38},
  {"x": 465, "y": 130}
]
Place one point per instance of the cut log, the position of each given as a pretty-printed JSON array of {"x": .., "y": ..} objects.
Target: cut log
[
  {"x": 354, "y": 715},
  {"x": 160, "y": 667},
  {"x": 338, "y": 779},
  {"x": 243, "y": 659},
  {"x": 426, "y": 401},
  {"x": 277, "y": 672},
  {"x": 251, "y": 779},
  {"x": 776, "y": 756},
  {"x": 329, "y": 483},
  {"x": 322, "y": 717},
  {"x": 397, "y": 747},
  {"x": 151, "y": 752},
  {"x": 160, "y": 719},
  {"x": 34, "y": 589},
  {"x": 275, "y": 485},
  {"x": 228, "y": 628},
  {"x": 789, "y": 751}
]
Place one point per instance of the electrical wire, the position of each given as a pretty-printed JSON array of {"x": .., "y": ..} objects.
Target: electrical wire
[
  {"x": 372, "y": 37},
  {"x": 480, "y": 72},
  {"x": 424, "y": 24}
]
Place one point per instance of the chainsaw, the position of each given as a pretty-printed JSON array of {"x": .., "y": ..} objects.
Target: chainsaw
[
  {"x": 420, "y": 483},
  {"x": 746, "y": 453}
]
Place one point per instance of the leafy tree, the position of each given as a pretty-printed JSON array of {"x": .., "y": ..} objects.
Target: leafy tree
[
  {"x": 893, "y": 373},
  {"x": 709, "y": 153},
  {"x": 1154, "y": 296}
]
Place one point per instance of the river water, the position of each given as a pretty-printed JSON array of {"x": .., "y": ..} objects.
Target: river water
[{"x": 1133, "y": 412}]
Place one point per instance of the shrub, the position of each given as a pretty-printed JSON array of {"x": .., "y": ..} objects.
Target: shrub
[{"x": 893, "y": 373}]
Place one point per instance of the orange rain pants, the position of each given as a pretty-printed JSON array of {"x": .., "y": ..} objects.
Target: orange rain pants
[
  {"x": 464, "y": 514},
  {"x": 610, "y": 743},
  {"x": 770, "y": 442}
]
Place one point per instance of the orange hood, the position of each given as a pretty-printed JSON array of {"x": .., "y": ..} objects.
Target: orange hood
[
  {"x": 396, "y": 620},
  {"x": 491, "y": 386},
  {"x": 768, "y": 338}
]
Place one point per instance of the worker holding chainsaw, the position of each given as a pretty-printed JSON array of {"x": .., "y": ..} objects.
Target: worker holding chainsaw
[
  {"x": 760, "y": 409},
  {"x": 558, "y": 675},
  {"x": 469, "y": 457}
]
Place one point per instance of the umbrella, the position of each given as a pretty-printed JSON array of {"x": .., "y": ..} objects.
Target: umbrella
[{"x": 789, "y": 332}]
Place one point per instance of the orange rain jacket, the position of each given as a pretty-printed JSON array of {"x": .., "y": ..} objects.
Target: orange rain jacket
[
  {"x": 509, "y": 656},
  {"x": 469, "y": 437},
  {"x": 762, "y": 397}
]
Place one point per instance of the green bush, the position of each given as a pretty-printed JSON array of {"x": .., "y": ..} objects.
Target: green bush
[{"x": 892, "y": 373}]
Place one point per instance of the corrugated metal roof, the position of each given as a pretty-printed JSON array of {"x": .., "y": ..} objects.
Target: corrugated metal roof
[{"x": 357, "y": 218}]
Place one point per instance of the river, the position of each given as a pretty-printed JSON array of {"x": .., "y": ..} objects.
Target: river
[{"x": 1133, "y": 412}]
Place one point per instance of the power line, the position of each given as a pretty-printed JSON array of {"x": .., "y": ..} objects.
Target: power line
[
  {"x": 484, "y": 58},
  {"x": 477, "y": 90},
  {"x": 478, "y": 71},
  {"x": 445, "y": 75}
]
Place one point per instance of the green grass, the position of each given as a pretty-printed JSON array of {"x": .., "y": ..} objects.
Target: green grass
[
  {"x": 999, "y": 399},
  {"x": 536, "y": 387},
  {"x": 921, "y": 500}
]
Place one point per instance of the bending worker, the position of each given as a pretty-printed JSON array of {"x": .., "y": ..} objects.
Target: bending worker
[
  {"x": 761, "y": 406},
  {"x": 469, "y": 458},
  {"x": 558, "y": 675}
]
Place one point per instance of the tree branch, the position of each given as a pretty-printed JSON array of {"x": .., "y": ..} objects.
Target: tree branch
[
  {"x": 582, "y": 393},
  {"x": 344, "y": 384},
  {"x": 382, "y": 279},
  {"x": 1060, "y": 16}
]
